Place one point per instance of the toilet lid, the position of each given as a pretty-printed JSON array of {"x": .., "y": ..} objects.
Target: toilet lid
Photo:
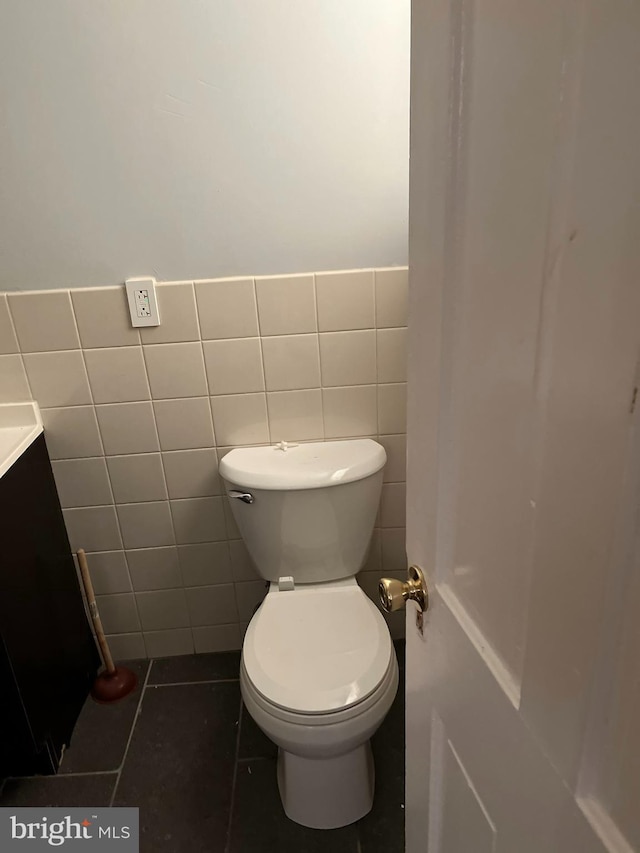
[{"x": 317, "y": 649}]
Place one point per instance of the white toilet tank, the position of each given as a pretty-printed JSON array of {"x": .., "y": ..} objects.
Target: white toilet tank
[{"x": 307, "y": 510}]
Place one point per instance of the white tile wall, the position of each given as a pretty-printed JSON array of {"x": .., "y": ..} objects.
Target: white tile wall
[
  {"x": 117, "y": 374},
  {"x": 72, "y": 432},
  {"x": 345, "y": 301},
  {"x": 177, "y": 307},
  {"x": 175, "y": 370},
  {"x": 14, "y": 387},
  {"x": 191, "y": 473},
  {"x": 227, "y": 308},
  {"x": 136, "y": 478},
  {"x": 234, "y": 366},
  {"x": 44, "y": 321},
  {"x": 241, "y": 419},
  {"x": 295, "y": 415},
  {"x": 127, "y": 428},
  {"x": 286, "y": 305},
  {"x": 137, "y": 421},
  {"x": 350, "y": 411},
  {"x": 82, "y": 482},
  {"x": 184, "y": 424},
  {"x": 291, "y": 362},
  {"x": 348, "y": 358},
  {"x": 102, "y": 315},
  {"x": 8, "y": 341},
  {"x": 58, "y": 378},
  {"x": 154, "y": 568}
]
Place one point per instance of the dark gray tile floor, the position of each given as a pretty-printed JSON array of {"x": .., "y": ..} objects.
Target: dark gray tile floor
[{"x": 184, "y": 750}]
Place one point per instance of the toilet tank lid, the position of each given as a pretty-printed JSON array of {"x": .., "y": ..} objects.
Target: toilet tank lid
[{"x": 315, "y": 465}]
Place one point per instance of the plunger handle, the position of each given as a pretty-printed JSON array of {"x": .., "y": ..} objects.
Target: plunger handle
[{"x": 93, "y": 610}]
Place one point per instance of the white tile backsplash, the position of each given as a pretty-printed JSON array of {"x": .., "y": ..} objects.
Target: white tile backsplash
[
  {"x": 291, "y": 362},
  {"x": 102, "y": 314},
  {"x": 8, "y": 341},
  {"x": 393, "y": 505},
  {"x": 145, "y": 525},
  {"x": 392, "y": 355},
  {"x": 118, "y": 613},
  {"x": 295, "y": 415},
  {"x": 350, "y": 412},
  {"x": 136, "y": 478},
  {"x": 117, "y": 374},
  {"x": 57, "y": 378},
  {"x": 391, "y": 297},
  {"x": 345, "y": 300},
  {"x": 127, "y": 428},
  {"x": 395, "y": 471},
  {"x": 44, "y": 321},
  {"x": 234, "y": 366},
  {"x": 127, "y": 646},
  {"x": 241, "y": 419},
  {"x": 93, "y": 528},
  {"x": 109, "y": 572},
  {"x": 348, "y": 358},
  {"x": 205, "y": 563},
  {"x": 191, "y": 473},
  {"x": 175, "y": 370},
  {"x": 14, "y": 387},
  {"x": 178, "y": 315},
  {"x": 394, "y": 549},
  {"x": 72, "y": 432},
  {"x": 286, "y": 305},
  {"x": 249, "y": 595},
  {"x": 392, "y": 409},
  {"x": 154, "y": 568},
  {"x": 216, "y": 638},
  {"x": 227, "y": 308},
  {"x": 184, "y": 424},
  {"x": 161, "y": 644},
  {"x": 242, "y": 566},
  {"x": 162, "y": 609},
  {"x": 82, "y": 482},
  {"x": 198, "y": 520},
  {"x": 212, "y": 605},
  {"x": 164, "y": 404}
]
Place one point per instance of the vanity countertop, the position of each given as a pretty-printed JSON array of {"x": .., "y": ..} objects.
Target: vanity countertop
[{"x": 20, "y": 425}]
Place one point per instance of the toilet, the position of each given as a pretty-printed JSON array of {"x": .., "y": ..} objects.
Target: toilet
[{"x": 319, "y": 670}]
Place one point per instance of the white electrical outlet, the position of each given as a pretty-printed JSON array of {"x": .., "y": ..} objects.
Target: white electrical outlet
[{"x": 143, "y": 306}]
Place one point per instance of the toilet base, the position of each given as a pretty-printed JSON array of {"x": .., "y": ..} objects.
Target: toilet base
[{"x": 326, "y": 793}]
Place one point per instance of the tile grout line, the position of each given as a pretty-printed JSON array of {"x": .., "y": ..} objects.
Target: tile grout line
[
  {"x": 130, "y": 738},
  {"x": 262, "y": 367},
  {"x": 190, "y": 683},
  {"x": 20, "y": 353},
  {"x": 168, "y": 502},
  {"x": 74, "y": 774},
  {"x": 321, "y": 389},
  {"x": 375, "y": 326},
  {"x": 227, "y": 846},
  {"x": 215, "y": 448}
]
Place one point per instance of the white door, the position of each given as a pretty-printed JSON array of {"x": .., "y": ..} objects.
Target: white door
[{"x": 523, "y": 695}]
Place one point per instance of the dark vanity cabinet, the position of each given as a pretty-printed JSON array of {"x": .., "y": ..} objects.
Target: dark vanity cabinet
[{"x": 48, "y": 658}]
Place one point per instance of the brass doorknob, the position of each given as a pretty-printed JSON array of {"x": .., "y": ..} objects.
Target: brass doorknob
[{"x": 394, "y": 594}]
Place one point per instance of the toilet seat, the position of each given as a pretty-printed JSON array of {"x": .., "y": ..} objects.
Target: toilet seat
[
  {"x": 318, "y": 649},
  {"x": 387, "y": 687}
]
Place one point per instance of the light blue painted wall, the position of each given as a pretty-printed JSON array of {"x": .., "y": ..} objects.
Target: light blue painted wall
[{"x": 201, "y": 138}]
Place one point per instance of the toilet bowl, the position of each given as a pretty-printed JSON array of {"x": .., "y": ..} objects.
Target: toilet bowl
[{"x": 319, "y": 670}]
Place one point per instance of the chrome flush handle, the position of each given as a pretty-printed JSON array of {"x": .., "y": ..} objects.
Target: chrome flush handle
[{"x": 245, "y": 497}]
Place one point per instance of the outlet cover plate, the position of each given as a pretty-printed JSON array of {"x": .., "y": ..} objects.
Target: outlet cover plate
[{"x": 143, "y": 305}]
